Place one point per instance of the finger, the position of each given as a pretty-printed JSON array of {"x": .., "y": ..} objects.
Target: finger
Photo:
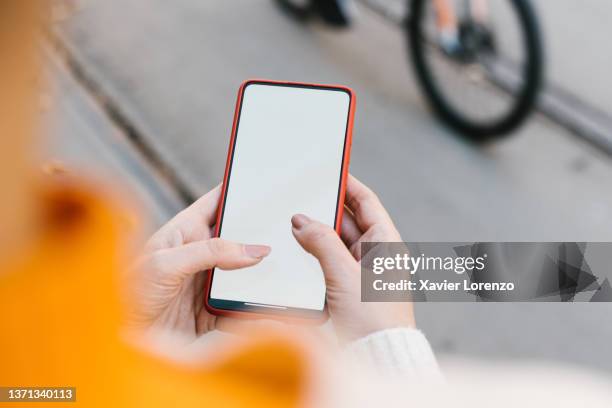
[
  {"x": 350, "y": 232},
  {"x": 192, "y": 224},
  {"x": 365, "y": 205},
  {"x": 241, "y": 326},
  {"x": 324, "y": 244},
  {"x": 205, "y": 207},
  {"x": 175, "y": 264},
  {"x": 205, "y": 322},
  {"x": 202, "y": 212}
]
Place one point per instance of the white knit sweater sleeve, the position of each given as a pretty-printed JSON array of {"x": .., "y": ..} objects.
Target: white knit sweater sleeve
[{"x": 392, "y": 352}]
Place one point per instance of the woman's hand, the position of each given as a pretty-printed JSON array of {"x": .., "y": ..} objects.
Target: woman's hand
[
  {"x": 365, "y": 220},
  {"x": 168, "y": 281}
]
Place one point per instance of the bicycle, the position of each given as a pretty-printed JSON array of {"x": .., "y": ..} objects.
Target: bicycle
[{"x": 479, "y": 63}]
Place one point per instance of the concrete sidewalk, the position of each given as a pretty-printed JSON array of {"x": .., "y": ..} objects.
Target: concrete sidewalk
[
  {"x": 173, "y": 68},
  {"x": 84, "y": 140}
]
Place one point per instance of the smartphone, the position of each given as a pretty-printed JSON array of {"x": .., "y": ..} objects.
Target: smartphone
[{"x": 289, "y": 153}]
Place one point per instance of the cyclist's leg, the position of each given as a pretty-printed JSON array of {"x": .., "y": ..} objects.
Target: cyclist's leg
[{"x": 446, "y": 21}]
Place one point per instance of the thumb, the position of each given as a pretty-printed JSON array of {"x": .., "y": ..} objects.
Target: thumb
[
  {"x": 324, "y": 244},
  {"x": 175, "y": 264}
]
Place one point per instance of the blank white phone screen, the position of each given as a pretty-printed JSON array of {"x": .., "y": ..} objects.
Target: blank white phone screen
[{"x": 287, "y": 160}]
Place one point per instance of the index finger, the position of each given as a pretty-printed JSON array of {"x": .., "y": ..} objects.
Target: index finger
[{"x": 365, "y": 205}]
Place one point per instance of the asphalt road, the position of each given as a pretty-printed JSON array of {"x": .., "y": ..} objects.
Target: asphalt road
[{"x": 173, "y": 69}]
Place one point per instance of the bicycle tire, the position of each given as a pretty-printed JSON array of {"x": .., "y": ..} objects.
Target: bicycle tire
[{"x": 524, "y": 98}]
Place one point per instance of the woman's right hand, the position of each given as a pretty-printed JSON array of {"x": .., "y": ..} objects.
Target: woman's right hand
[{"x": 365, "y": 220}]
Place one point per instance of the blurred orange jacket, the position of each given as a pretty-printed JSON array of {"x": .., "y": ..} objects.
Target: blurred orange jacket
[{"x": 61, "y": 320}]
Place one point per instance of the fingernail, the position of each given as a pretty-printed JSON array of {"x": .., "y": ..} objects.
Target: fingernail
[
  {"x": 257, "y": 251},
  {"x": 299, "y": 220}
]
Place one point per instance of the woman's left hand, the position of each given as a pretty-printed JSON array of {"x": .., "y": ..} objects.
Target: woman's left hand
[{"x": 167, "y": 283}]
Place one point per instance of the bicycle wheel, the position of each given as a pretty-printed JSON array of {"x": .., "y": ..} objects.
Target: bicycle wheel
[{"x": 485, "y": 84}]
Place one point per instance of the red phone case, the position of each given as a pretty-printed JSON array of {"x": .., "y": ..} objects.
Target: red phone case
[{"x": 338, "y": 222}]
